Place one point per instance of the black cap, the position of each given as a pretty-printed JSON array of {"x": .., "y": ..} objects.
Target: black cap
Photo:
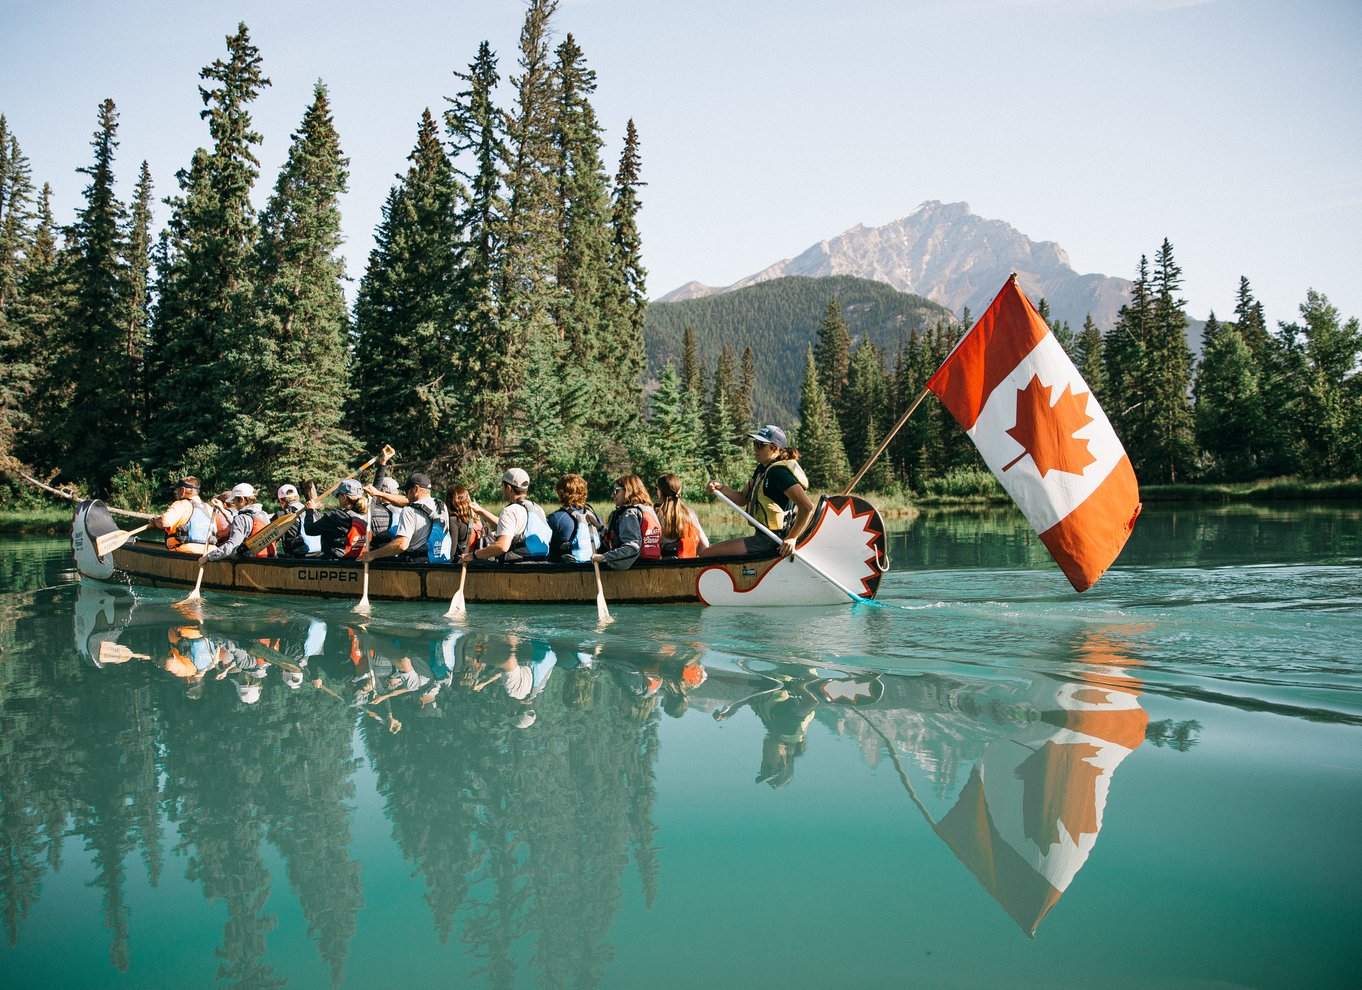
[{"x": 417, "y": 480}]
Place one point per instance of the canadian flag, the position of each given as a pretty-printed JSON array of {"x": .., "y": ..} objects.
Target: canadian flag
[{"x": 1042, "y": 434}]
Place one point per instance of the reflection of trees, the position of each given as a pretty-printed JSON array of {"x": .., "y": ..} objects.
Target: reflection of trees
[
  {"x": 279, "y": 769},
  {"x": 525, "y": 831},
  {"x": 72, "y": 757}
]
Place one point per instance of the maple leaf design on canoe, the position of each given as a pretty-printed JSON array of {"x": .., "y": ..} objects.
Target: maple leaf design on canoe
[{"x": 1046, "y": 431}]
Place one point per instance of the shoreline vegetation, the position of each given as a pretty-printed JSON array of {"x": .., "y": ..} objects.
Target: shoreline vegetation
[{"x": 715, "y": 517}]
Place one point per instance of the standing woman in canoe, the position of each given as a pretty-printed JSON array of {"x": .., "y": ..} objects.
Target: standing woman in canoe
[{"x": 776, "y": 495}]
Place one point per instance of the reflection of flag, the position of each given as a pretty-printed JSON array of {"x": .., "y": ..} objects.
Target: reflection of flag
[
  {"x": 1041, "y": 432},
  {"x": 1030, "y": 814}
]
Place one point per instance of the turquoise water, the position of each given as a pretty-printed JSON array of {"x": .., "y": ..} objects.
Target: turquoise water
[{"x": 995, "y": 782}]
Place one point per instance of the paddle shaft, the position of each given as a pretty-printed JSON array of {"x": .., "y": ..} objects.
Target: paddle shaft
[
  {"x": 795, "y": 553},
  {"x": 602, "y": 610}
]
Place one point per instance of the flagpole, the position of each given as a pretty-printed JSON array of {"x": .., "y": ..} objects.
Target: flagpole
[{"x": 880, "y": 449}]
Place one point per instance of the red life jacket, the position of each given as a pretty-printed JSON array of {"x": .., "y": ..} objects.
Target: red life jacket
[
  {"x": 258, "y": 522},
  {"x": 652, "y": 534}
]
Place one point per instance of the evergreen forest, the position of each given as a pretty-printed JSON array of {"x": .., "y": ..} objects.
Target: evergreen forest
[{"x": 502, "y": 318}]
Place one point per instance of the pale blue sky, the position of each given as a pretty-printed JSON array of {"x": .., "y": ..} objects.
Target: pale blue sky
[{"x": 1232, "y": 127}]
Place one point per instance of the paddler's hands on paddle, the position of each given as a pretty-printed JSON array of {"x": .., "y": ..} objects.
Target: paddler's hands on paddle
[{"x": 787, "y": 546}]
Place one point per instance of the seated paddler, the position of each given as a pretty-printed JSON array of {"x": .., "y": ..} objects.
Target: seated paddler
[
  {"x": 775, "y": 496},
  {"x": 189, "y": 520}
]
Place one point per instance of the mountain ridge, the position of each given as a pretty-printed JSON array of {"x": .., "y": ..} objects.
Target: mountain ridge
[{"x": 945, "y": 253}]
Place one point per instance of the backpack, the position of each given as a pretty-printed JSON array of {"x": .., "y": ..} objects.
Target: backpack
[
  {"x": 534, "y": 539},
  {"x": 585, "y": 540},
  {"x": 438, "y": 542}
]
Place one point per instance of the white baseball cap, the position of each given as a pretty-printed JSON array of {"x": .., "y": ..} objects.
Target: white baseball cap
[
  {"x": 242, "y": 490},
  {"x": 287, "y": 491}
]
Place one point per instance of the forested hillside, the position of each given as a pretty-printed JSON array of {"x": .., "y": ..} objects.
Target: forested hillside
[{"x": 779, "y": 320}]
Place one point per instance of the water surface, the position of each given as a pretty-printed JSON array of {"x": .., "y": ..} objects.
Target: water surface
[{"x": 994, "y": 782}]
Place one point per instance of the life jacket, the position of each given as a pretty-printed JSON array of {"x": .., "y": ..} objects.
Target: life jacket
[
  {"x": 585, "y": 539},
  {"x": 312, "y": 544},
  {"x": 649, "y": 525},
  {"x": 198, "y": 528},
  {"x": 258, "y": 522},
  {"x": 438, "y": 542},
  {"x": 766, "y": 511},
  {"x": 356, "y": 538},
  {"x": 533, "y": 540},
  {"x": 687, "y": 542}
]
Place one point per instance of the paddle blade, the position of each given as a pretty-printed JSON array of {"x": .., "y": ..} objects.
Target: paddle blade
[
  {"x": 198, "y": 583},
  {"x": 110, "y": 542},
  {"x": 458, "y": 608},
  {"x": 603, "y": 615},
  {"x": 363, "y": 604},
  {"x": 270, "y": 533}
]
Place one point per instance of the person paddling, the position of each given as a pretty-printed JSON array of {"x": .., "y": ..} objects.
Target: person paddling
[
  {"x": 248, "y": 517},
  {"x": 420, "y": 521},
  {"x": 340, "y": 532},
  {"x": 522, "y": 530},
  {"x": 776, "y": 493},
  {"x": 575, "y": 524},
  {"x": 188, "y": 521}
]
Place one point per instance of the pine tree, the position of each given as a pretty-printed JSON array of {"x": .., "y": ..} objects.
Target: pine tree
[
  {"x": 720, "y": 426},
  {"x": 405, "y": 309},
  {"x": 94, "y": 366},
  {"x": 1249, "y": 319},
  {"x": 474, "y": 127},
  {"x": 584, "y": 216},
  {"x": 692, "y": 368},
  {"x": 1227, "y": 403},
  {"x": 17, "y": 370},
  {"x": 821, "y": 451},
  {"x": 1123, "y": 357},
  {"x": 626, "y": 358},
  {"x": 137, "y": 264},
  {"x": 532, "y": 246},
  {"x": 1332, "y": 424},
  {"x": 39, "y": 313},
  {"x": 1170, "y": 452},
  {"x": 867, "y": 403},
  {"x": 675, "y": 435},
  {"x": 204, "y": 326},
  {"x": 1088, "y": 358},
  {"x": 743, "y": 414},
  {"x": 299, "y": 382},
  {"x": 832, "y": 353}
]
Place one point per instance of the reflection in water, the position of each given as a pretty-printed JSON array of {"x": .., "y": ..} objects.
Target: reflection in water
[{"x": 517, "y": 772}]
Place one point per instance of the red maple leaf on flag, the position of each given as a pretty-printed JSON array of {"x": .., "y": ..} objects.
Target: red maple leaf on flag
[
  {"x": 1059, "y": 787},
  {"x": 1046, "y": 431}
]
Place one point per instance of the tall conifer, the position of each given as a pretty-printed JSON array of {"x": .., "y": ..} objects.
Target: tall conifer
[
  {"x": 626, "y": 358},
  {"x": 476, "y": 134},
  {"x": 1227, "y": 402},
  {"x": 524, "y": 356},
  {"x": 16, "y": 354},
  {"x": 138, "y": 247},
  {"x": 204, "y": 332},
  {"x": 95, "y": 372},
  {"x": 405, "y": 310},
  {"x": 821, "y": 450},
  {"x": 1170, "y": 449},
  {"x": 299, "y": 380}
]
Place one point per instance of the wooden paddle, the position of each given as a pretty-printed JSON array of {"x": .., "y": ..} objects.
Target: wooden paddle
[
  {"x": 118, "y": 653},
  {"x": 194, "y": 595},
  {"x": 76, "y": 498},
  {"x": 458, "y": 609},
  {"x": 602, "y": 612},
  {"x": 110, "y": 542},
  {"x": 363, "y": 604},
  {"x": 264, "y": 537}
]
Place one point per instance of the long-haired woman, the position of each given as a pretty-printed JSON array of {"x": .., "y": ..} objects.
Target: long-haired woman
[
  {"x": 682, "y": 534},
  {"x": 633, "y": 530}
]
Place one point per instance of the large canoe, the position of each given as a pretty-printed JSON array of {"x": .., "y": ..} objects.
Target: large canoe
[{"x": 846, "y": 543}]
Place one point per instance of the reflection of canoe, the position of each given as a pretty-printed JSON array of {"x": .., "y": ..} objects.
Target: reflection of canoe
[{"x": 846, "y": 542}]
